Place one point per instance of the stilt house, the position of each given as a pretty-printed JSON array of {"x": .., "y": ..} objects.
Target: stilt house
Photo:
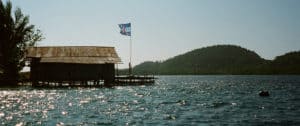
[{"x": 72, "y": 64}]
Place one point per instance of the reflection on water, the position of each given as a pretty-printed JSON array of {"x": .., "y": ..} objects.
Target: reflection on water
[{"x": 172, "y": 100}]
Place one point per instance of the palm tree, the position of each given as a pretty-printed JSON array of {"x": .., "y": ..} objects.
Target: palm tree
[{"x": 15, "y": 35}]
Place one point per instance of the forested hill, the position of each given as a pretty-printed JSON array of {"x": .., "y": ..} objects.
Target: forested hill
[
  {"x": 222, "y": 59},
  {"x": 288, "y": 63}
]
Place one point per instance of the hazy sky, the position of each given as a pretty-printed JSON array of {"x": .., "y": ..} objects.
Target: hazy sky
[{"x": 165, "y": 28}]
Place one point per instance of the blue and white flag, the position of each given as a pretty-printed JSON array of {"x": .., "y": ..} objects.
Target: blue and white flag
[{"x": 125, "y": 29}]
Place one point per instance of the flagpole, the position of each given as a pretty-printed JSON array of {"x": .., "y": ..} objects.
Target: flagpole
[
  {"x": 130, "y": 48},
  {"x": 126, "y": 30}
]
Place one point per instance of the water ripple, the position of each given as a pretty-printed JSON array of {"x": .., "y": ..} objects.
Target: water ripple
[{"x": 173, "y": 100}]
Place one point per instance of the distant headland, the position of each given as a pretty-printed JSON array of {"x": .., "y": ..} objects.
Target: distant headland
[{"x": 221, "y": 59}]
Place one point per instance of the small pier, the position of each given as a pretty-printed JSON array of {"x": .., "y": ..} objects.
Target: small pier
[
  {"x": 124, "y": 80},
  {"x": 134, "y": 80},
  {"x": 62, "y": 84}
]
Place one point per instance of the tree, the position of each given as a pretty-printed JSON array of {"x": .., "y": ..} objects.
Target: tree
[{"x": 16, "y": 34}]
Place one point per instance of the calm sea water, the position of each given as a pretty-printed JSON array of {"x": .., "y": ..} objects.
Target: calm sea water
[{"x": 172, "y": 100}]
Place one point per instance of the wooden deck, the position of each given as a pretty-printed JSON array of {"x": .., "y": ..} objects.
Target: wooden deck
[
  {"x": 132, "y": 80},
  {"x": 135, "y": 80}
]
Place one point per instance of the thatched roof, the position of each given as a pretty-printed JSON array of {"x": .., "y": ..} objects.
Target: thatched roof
[{"x": 74, "y": 54}]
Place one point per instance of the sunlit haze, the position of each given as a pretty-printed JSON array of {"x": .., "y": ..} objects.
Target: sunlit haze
[{"x": 165, "y": 28}]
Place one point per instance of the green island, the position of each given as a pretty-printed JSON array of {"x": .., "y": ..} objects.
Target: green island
[{"x": 221, "y": 59}]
